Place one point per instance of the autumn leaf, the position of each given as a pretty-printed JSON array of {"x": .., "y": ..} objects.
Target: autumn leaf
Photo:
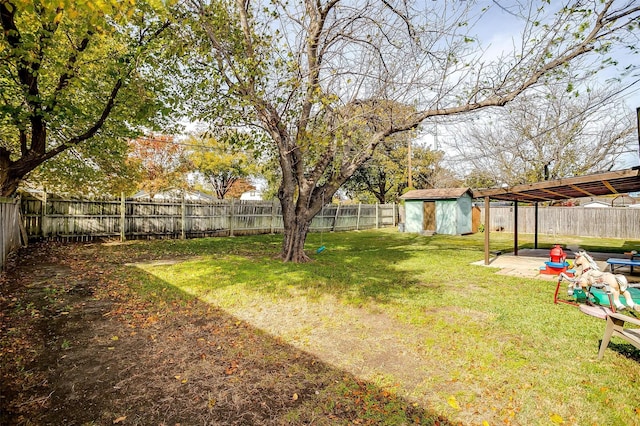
[
  {"x": 453, "y": 402},
  {"x": 557, "y": 419},
  {"x": 231, "y": 368},
  {"x": 119, "y": 419},
  {"x": 295, "y": 397}
]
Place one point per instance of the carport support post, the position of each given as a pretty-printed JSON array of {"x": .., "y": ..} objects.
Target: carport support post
[
  {"x": 535, "y": 230},
  {"x": 486, "y": 230},
  {"x": 515, "y": 228}
]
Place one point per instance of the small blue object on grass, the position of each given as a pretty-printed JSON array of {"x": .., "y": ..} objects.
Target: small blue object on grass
[{"x": 321, "y": 249}]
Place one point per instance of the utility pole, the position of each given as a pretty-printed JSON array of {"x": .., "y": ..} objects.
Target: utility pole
[{"x": 410, "y": 179}]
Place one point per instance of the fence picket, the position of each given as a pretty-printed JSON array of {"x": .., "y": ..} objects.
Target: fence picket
[
  {"x": 9, "y": 228},
  {"x": 612, "y": 222},
  {"x": 130, "y": 219}
]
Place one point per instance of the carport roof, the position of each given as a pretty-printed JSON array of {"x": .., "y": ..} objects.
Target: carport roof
[{"x": 617, "y": 182}]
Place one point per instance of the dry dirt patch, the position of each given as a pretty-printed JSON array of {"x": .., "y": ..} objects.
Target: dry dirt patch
[{"x": 80, "y": 347}]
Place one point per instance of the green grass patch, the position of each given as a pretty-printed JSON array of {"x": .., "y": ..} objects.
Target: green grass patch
[{"x": 471, "y": 344}]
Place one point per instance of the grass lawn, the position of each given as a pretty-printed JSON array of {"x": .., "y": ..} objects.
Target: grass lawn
[
  {"x": 381, "y": 328},
  {"x": 410, "y": 314}
]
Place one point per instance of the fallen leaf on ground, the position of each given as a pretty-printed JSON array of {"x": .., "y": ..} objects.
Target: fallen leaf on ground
[
  {"x": 119, "y": 419},
  {"x": 557, "y": 419},
  {"x": 453, "y": 402},
  {"x": 232, "y": 368}
]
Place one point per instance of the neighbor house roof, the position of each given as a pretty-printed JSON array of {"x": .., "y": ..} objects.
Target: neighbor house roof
[
  {"x": 435, "y": 194},
  {"x": 596, "y": 203}
]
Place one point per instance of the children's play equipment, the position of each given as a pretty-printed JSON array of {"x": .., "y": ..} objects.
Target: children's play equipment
[
  {"x": 557, "y": 263},
  {"x": 592, "y": 286}
]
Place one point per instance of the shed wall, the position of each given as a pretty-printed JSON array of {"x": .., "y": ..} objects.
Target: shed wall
[
  {"x": 446, "y": 214},
  {"x": 464, "y": 222},
  {"x": 414, "y": 216}
]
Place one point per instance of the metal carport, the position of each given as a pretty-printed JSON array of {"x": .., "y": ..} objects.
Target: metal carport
[{"x": 599, "y": 184}]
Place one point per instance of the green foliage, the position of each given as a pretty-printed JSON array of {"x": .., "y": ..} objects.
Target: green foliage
[
  {"x": 107, "y": 172},
  {"x": 224, "y": 160},
  {"x": 72, "y": 71},
  {"x": 480, "y": 178},
  {"x": 385, "y": 176}
]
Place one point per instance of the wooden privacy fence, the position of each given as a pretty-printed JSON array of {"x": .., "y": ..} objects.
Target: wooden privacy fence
[
  {"x": 611, "y": 222},
  {"x": 49, "y": 217},
  {"x": 9, "y": 228}
]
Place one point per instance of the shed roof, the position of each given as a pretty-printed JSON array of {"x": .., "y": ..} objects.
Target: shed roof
[
  {"x": 617, "y": 182},
  {"x": 435, "y": 194}
]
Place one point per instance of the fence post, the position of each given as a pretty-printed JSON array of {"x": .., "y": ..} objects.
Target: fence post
[
  {"x": 123, "y": 209},
  {"x": 335, "y": 219},
  {"x": 43, "y": 216},
  {"x": 377, "y": 216},
  {"x": 393, "y": 212},
  {"x": 358, "y": 218},
  {"x": 273, "y": 215},
  {"x": 183, "y": 218},
  {"x": 23, "y": 229},
  {"x": 231, "y": 217}
]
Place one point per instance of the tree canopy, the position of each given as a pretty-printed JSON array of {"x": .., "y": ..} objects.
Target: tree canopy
[
  {"x": 329, "y": 81},
  {"x": 385, "y": 176},
  {"x": 73, "y": 72},
  {"x": 223, "y": 162},
  {"x": 162, "y": 163},
  {"x": 549, "y": 134}
]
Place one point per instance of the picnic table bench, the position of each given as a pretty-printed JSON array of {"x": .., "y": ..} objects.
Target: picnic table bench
[
  {"x": 617, "y": 263},
  {"x": 616, "y": 328}
]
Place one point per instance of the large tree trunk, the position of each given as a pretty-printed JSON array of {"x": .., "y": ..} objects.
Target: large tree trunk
[
  {"x": 297, "y": 216},
  {"x": 8, "y": 184},
  {"x": 295, "y": 235},
  {"x": 12, "y": 172}
]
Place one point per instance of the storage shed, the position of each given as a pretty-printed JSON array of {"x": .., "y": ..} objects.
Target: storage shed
[{"x": 441, "y": 211}]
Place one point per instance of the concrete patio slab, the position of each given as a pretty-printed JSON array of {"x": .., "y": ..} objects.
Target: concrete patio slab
[{"x": 528, "y": 262}]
